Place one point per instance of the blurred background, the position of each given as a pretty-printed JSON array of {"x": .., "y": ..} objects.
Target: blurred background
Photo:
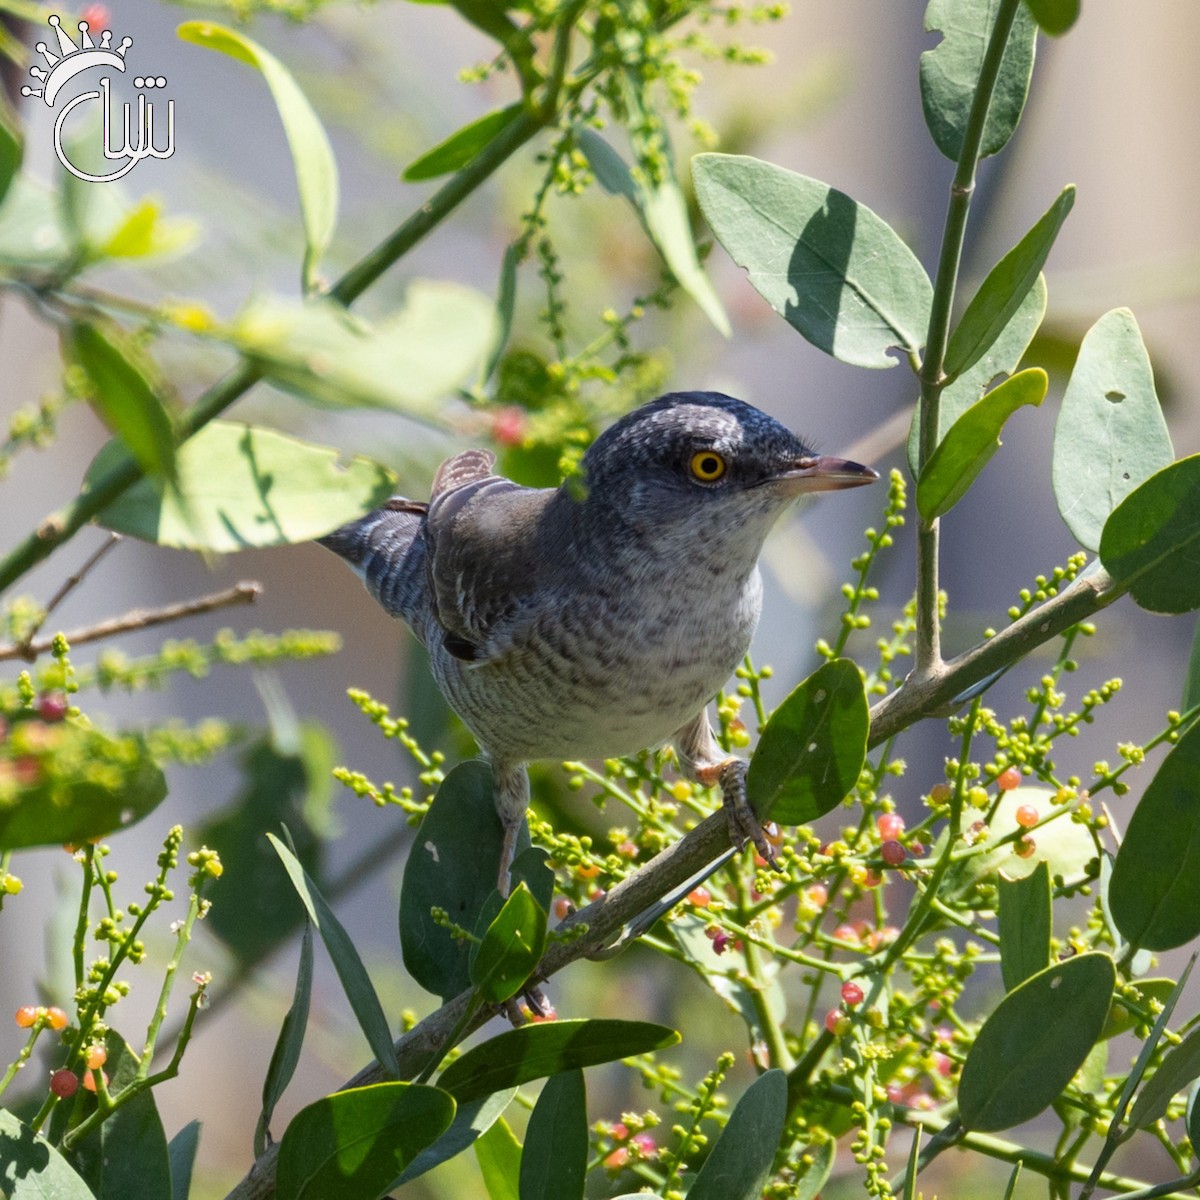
[{"x": 1109, "y": 110}]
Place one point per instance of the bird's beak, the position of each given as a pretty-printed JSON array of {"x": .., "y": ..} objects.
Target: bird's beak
[{"x": 824, "y": 473}]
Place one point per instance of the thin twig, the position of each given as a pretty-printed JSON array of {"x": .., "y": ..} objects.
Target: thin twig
[{"x": 246, "y": 592}]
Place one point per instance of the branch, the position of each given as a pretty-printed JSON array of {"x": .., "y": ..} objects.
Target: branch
[{"x": 246, "y": 592}]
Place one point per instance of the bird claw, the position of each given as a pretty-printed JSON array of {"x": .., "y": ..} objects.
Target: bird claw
[{"x": 744, "y": 825}]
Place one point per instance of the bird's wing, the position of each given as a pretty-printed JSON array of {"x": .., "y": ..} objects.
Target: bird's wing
[{"x": 482, "y": 563}]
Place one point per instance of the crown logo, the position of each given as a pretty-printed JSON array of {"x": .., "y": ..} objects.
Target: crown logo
[{"x": 73, "y": 59}]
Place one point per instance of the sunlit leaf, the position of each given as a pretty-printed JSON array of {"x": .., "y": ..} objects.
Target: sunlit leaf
[
  {"x": 32, "y": 1169},
  {"x": 511, "y": 947},
  {"x": 471, "y": 1122},
  {"x": 498, "y": 1154}
]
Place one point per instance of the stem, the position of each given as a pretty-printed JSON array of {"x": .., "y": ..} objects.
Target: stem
[
  {"x": 932, "y": 377},
  {"x": 160, "y": 1012}
]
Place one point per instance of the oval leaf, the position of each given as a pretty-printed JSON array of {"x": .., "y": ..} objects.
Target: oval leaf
[
  {"x": 453, "y": 866},
  {"x": 1180, "y": 1065},
  {"x": 1002, "y": 293},
  {"x": 554, "y": 1161},
  {"x": 829, "y": 266},
  {"x": 1033, "y": 1043},
  {"x": 1110, "y": 435},
  {"x": 1150, "y": 541},
  {"x": 512, "y": 946},
  {"x": 353, "y": 1144},
  {"x": 356, "y": 983},
  {"x": 535, "y": 1051},
  {"x": 1023, "y": 909},
  {"x": 950, "y": 73},
  {"x": 498, "y": 1154},
  {"x": 32, "y": 1169},
  {"x": 240, "y": 486},
  {"x": 123, "y": 396},
  {"x": 461, "y": 146},
  {"x": 972, "y": 440},
  {"x": 740, "y": 1162},
  {"x": 312, "y": 156},
  {"x": 65, "y": 783},
  {"x": 1154, "y": 893},
  {"x": 812, "y": 749}
]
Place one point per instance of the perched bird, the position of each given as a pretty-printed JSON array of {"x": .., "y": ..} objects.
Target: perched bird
[{"x": 598, "y": 618}]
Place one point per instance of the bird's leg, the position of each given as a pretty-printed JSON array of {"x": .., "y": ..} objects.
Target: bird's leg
[
  {"x": 512, "y": 801},
  {"x": 703, "y": 761}
]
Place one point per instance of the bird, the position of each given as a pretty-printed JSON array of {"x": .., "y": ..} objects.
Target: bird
[{"x": 599, "y": 618}]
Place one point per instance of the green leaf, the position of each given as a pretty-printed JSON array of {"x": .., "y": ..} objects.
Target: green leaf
[
  {"x": 66, "y": 783},
  {"x": 471, "y": 1122},
  {"x": 181, "y": 1150},
  {"x": 243, "y": 486},
  {"x": 453, "y": 866},
  {"x": 124, "y": 397},
  {"x": 11, "y": 150},
  {"x": 349, "y": 1146},
  {"x": 31, "y": 1169},
  {"x": 950, "y": 72},
  {"x": 1151, "y": 540},
  {"x": 498, "y": 1154},
  {"x": 1180, "y": 1065},
  {"x": 286, "y": 1055},
  {"x": 663, "y": 212},
  {"x": 1154, "y": 893},
  {"x": 740, "y": 1163},
  {"x": 256, "y": 906},
  {"x": 346, "y": 961},
  {"x": 409, "y": 361},
  {"x": 536, "y": 1051},
  {"x": 1024, "y": 925},
  {"x": 1003, "y": 292},
  {"x": 1002, "y": 358},
  {"x": 1121, "y": 1020},
  {"x": 144, "y": 233},
  {"x": 511, "y": 947},
  {"x": 1033, "y": 1043},
  {"x": 462, "y": 146},
  {"x": 816, "y": 1176},
  {"x": 972, "y": 440},
  {"x": 833, "y": 269},
  {"x": 812, "y": 749},
  {"x": 312, "y": 156},
  {"x": 1054, "y": 17},
  {"x": 506, "y": 303},
  {"x": 554, "y": 1161},
  {"x": 1110, "y": 435}
]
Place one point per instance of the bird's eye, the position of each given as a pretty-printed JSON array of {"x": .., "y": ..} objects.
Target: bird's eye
[{"x": 707, "y": 466}]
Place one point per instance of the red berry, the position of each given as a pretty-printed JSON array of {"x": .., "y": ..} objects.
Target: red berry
[
  {"x": 64, "y": 1083},
  {"x": 56, "y": 1018},
  {"x": 563, "y": 908},
  {"x": 943, "y": 1064},
  {"x": 1024, "y": 847},
  {"x": 890, "y": 826},
  {"x": 1008, "y": 779},
  {"x": 508, "y": 426},
  {"x": 852, "y": 994},
  {"x": 647, "y": 1146},
  {"x": 701, "y": 897},
  {"x": 617, "y": 1158},
  {"x": 26, "y": 1015},
  {"x": 892, "y": 853},
  {"x": 618, "y": 1132},
  {"x": 52, "y": 706},
  {"x": 872, "y": 878},
  {"x": 96, "y": 15},
  {"x": 1027, "y": 816}
]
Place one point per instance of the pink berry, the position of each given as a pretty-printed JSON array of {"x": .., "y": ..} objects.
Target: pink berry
[
  {"x": 617, "y": 1158},
  {"x": 845, "y": 933},
  {"x": 1027, "y": 816},
  {"x": 52, "y": 706},
  {"x": 836, "y": 1022},
  {"x": 1008, "y": 779},
  {"x": 701, "y": 897},
  {"x": 852, "y": 994},
  {"x": 943, "y": 1064},
  {"x": 892, "y": 853},
  {"x": 508, "y": 426},
  {"x": 817, "y": 895},
  {"x": 64, "y": 1083},
  {"x": 645, "y": 1143},
  {"x": 890, "y": 826},
  {"x": 56, "y": 1018}
]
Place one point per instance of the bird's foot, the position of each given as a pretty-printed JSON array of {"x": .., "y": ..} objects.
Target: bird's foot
[
  {"x": 531, "y": 1005},
  {"x": 744, "y": 825}
]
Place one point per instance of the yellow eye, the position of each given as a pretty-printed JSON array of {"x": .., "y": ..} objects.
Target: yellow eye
[{"x": 707, "y": 466}]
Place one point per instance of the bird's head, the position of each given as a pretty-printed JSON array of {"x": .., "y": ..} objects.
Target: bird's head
[{"x": 705, "y": 458}]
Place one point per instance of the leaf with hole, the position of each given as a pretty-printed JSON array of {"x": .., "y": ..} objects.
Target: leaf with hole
[
  {"x": 352, "y": 1144},
  {"x": 312, "y": 155},
  {"x": 240, "y": 486},
  {"x": 812, "y": 749},
  {"x": 1151, "y": 540},
  {"x": 536, "y": 1051},
  {"x": 972, "y": 440},
  {"x": 1035, "y": 1040},
  {"x": 949, "y": 73},
  {"x": 829, "y": 266},
  {"x": 1110, "y": 435}
]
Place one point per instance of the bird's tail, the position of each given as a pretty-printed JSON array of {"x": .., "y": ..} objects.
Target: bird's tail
[{"x": 378, "y": 548}]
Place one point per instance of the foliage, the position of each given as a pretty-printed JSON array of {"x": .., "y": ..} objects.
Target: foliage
[{"x": 864, "y": 971}]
